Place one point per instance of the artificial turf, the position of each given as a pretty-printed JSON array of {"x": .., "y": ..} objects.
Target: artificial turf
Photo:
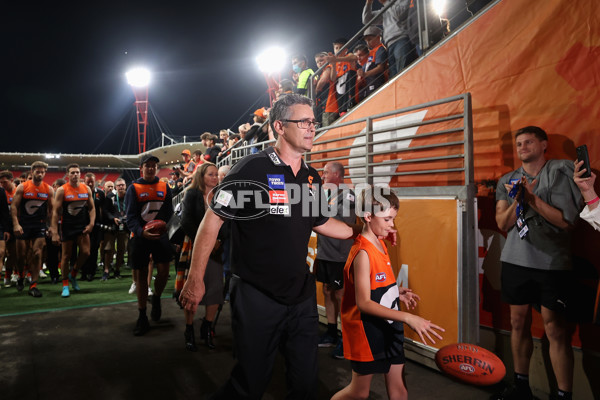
[{"x": 92, "y": 294}]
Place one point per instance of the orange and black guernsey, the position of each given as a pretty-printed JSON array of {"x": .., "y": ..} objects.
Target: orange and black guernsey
[
  {"x": 368, "y": 338},
  {"x": 146, "y": 201},
  {"x": 75, "y": 214},
  {"x": 33, "y": 209}
]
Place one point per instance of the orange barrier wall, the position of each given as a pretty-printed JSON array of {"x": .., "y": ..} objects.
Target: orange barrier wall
[{"x": 524, "y": 63}]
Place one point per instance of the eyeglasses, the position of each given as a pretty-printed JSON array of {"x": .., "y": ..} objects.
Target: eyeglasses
[{"x": 304, "y": 123}]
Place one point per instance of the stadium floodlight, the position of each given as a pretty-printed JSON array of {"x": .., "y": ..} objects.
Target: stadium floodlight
[
  {"x": 271, "y": 60},
  {"x": 138, "y": 77},
  {"x": 439, "y": 6}
]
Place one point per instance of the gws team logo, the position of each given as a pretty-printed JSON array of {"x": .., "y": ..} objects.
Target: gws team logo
[
  {"x": 386, "y": 171},
  {"x": 380, "y": 277}
]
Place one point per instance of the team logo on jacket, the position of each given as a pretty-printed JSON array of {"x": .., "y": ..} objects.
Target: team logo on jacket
[
  {"x": 276, "y": 181},
  {"x": 380, "y": 277}
]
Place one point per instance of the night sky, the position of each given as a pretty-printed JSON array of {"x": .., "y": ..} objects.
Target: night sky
[{"x": 64, "y": 89}]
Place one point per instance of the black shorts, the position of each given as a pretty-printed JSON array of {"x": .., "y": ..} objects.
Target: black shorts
[
  {"x": 378, "y": 366},
  {"x": 68, "y": 233},
  {"x": 33, "y": 232},
  {"x": 330, "y": 273},
  {"x": 141, "y": 249},
  {"x": 522, "y": 285}
]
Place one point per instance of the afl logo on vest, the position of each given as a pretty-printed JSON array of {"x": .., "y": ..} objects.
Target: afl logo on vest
[{"x": 380, "y": 277}]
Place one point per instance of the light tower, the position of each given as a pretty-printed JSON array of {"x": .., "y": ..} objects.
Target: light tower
[
  {"x": 138, "y": 79},
  {"x": 271, "y": 62}
]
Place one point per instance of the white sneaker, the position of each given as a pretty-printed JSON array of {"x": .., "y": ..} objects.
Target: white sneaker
[
  {"x": 132, "y": 288},
  {"x": 150, "y": 292},
  {"x": 43, "y": 274},
  {"x": 14, "y": 278},
  {"x": 7, "y": 282}
]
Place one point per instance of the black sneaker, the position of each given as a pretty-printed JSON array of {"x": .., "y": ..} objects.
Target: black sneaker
[
  {"x": 141, "y": 326},
  {"x": 104, "y": 276},
  {"x": 117, "y": 275},
  {"x": 35, "y": 292},
  {"x": 20, "y": 285},
  {"x": 338, "y": 352},
  {"x": 326, "y": 340},
  {"x": 190, "y": 340},
  {"x": 513, "y": 392},
  {"x": 156, "y": 309}
]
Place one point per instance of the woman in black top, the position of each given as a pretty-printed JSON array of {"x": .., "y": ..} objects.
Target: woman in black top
[{"x": 195, "y": 203}]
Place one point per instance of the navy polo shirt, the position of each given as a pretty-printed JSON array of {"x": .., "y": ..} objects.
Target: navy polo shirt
[{"x": 272, "y": 213}]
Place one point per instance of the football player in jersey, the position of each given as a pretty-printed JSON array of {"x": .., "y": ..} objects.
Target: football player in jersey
[
  {"x": 30, "y": 209},
  {"x": 75, "y": 206}
]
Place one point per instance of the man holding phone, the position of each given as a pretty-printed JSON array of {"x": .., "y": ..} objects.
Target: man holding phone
[{"x": 537, "y": 205}]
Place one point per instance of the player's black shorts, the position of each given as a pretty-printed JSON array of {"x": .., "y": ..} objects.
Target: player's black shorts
[
  {"x": 330, "y": 272},
  {"x": 141, "y": 249},
  {"x": 378, "y": 366},
  {"x": 33, "y": 232},
  {"x": 522, "y": 285},
  {"x": 68, "y": 233}
]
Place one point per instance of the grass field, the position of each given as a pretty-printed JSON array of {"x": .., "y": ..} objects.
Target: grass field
[{"x": 92, "y": 294}]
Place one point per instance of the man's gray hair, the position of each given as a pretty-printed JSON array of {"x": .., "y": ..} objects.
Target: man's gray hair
[{"x": 281, "y": 108}]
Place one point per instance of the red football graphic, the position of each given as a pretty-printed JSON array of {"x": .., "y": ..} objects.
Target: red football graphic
[
  {"x": 470, "y": 363},
  {"x": 156, "y": 226}
]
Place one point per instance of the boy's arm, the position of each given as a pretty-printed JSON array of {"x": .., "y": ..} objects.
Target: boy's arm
[{"x": 362, "y": 282}]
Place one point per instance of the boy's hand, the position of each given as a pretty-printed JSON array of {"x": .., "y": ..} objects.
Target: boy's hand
[
  {"x": 391, "y": 237},
  {"x": 409, "y": 298},
  {"x": 424, "y": 328}
]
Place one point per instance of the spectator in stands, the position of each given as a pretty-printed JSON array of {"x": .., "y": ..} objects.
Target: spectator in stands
[
  {"x": 197, "y": 196},
  {"x": 172, "y": 180},
  {"x": 88, "y": 270},
  {"x": 342, "y": 83},
  {"x": 285, "y": 87},
  {"x": 591, "y": 211},
  {"x": 243, "y": 129},
  {"x": 361, "y": 52},
  {"x": 254, "y": 132},
  {"x": 374, "y": 70},
  {"x": 223, "y": 136},
  {"x": 198, "y": 159},
  {"x": 300, "y": 67},
  {"x": 212, "y": 150},
  {"x": 187, "y": 169},
  {"x": 321, "y": 89},
  {"x": 395, "y": 32},
  {"x": 118, "y": 234}
]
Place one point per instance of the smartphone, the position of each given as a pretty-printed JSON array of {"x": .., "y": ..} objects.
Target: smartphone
[{"x": 582, "y": 155}]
